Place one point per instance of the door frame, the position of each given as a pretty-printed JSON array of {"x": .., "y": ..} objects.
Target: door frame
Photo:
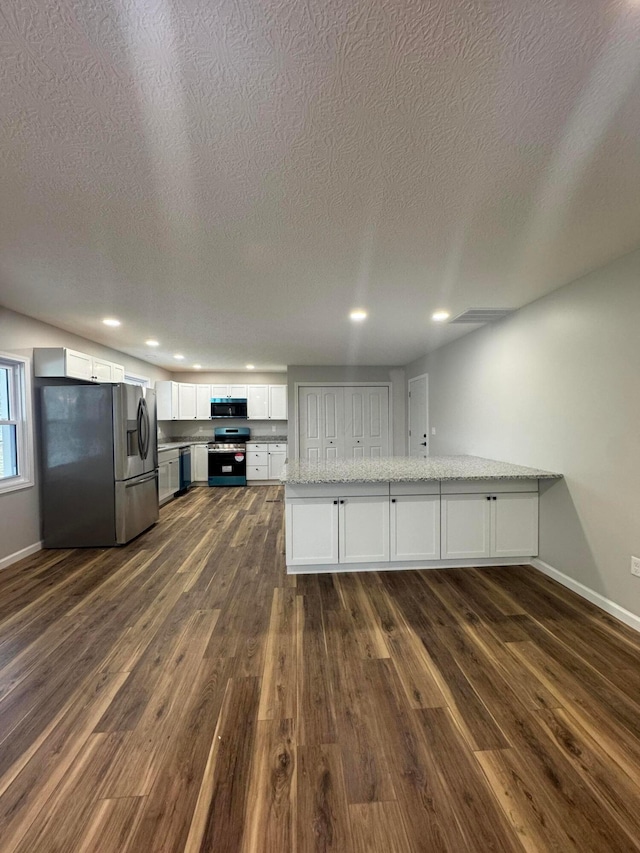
[
  {"x": 424, "y": 376},
  {"x": 296, "y": 407}
]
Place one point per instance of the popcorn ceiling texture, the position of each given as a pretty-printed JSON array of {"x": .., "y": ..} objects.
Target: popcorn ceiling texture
[{"x": 237, "y": 174}]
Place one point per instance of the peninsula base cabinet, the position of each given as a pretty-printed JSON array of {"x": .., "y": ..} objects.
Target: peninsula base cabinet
[
  {"x": 337, "y": 530},
  {"x": 415, "y": 527},
  {"x": 411, "y": 524},
  {"x": 490, "y": 524}
]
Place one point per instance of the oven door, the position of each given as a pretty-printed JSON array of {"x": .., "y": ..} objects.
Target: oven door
[{"x": 227, "y": 468}]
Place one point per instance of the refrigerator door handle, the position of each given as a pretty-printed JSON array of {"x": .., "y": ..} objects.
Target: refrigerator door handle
[
  {"x": 143, "y": 428},
  {"x": 138, "y": 481}
]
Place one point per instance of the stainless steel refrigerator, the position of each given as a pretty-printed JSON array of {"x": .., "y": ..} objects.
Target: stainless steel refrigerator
[{"x": 99, "y": 464}]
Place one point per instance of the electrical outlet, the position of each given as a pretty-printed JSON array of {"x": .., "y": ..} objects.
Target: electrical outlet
[
  {"x": 635, "y": 566},
  {"x": 273, "y": 427},
  {"x": 433, "y": 430}
]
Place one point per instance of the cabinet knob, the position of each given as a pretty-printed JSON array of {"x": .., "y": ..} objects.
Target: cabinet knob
[
  {"x": 341, "y": 502},
  {"x": 495, "y": 498},
  {"x": 393, "y": 500},
  {"x": 335, "y": 502},
  {"x": 488, "y": 497}
]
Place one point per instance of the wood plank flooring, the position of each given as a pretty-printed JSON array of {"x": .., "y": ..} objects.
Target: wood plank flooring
[{"x": 184, "y": 694}]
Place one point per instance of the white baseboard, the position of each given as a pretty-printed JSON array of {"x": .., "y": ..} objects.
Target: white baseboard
[
  {"x": 596, "y": 598},
  {"x": 404, "y": 565},
  {"x": 20, "y": 555}
]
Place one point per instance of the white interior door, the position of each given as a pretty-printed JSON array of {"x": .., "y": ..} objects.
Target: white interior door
[
  {"x": 366, "y": 422},
  {"x": 419, "y": 416},
  {"x": 321, "y": 423}
]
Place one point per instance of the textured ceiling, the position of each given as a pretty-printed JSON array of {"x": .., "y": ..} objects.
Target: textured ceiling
[{"x": 232, "y": 177}]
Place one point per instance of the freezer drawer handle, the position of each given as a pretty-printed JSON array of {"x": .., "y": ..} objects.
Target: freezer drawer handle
[{"x": 139, "y": 482}]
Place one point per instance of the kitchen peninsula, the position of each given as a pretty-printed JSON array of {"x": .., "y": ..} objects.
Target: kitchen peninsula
[{"x": 402, "y": 512}]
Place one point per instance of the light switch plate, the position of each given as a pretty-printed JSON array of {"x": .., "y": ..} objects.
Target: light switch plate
[{"x": 635, "y": 566}]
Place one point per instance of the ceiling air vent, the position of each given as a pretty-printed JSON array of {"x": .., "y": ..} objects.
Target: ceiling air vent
[{"x": 482, "y": 315}]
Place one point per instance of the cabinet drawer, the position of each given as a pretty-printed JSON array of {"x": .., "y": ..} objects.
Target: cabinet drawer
[
  {"x": 485, "y": 487},
  {"x": 277, "y": 447},
  {"x": 257, "y": 472},
  {"x": 259, "y": 446},
  {"x": 259, "y": 457}
]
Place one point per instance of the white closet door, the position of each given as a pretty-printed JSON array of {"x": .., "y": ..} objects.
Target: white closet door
[
  {"x": 321, "y": 423},
  {"x": 366, "y": 422}
]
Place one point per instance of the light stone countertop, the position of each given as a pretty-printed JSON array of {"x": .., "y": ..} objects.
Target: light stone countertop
[{"x": 406, "y": 469}]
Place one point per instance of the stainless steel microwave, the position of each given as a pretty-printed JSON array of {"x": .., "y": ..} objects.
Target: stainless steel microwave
[{"x": 228, "y": 407}]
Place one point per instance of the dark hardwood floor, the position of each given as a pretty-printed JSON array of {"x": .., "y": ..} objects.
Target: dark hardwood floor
[{"x": 185, "y": 694}]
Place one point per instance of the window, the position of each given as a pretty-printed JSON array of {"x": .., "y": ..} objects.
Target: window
[
  {"x": 131, "y": 379},
  {"x": 16, "y": 445}
]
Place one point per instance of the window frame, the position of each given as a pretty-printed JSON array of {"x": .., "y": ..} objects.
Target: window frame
[{"x": 20, "y": 399}]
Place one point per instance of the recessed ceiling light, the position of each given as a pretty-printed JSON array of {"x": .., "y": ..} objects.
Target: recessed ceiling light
[
  {"x": 358, "y": 315},
  {"x": 179, "y": 356},
  {"x": 152, "y": 343},
  {"x": 111, "y": 321},
  {"x": 440, "y": 316},
  {"x": 251, "y": 367},
  {"x": 197, "y": 366}
]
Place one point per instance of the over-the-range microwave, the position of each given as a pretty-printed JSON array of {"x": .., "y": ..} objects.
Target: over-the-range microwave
[{"x": 228, "y": 407}]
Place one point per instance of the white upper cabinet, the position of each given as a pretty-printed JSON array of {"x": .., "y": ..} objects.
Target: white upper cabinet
[
  {"x": 267, "y": 402},
  {"x": 238, "y": 392},
  {"x": 186, "y": 401},
  {"x": 258, "y": 402},
  {"x": 203, "y": 402},
  {"x": 278, "y": 402},
  {"x": 62, "y": 362}
]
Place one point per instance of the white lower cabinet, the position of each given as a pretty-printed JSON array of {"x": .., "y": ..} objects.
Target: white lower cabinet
[
  {"x": 311, "y": 531},
  {"x": 168, "y": 474},
  {"x": 429, "y": 523},
  {"x": 415, "y": 527},
  {"x": 200, "y": 460},
  {"x": 337, "y": 529},
  {"x": 363, "y": 529},
  {"x": 489, "y": 525},
  {"x": 265, "y": 460}
]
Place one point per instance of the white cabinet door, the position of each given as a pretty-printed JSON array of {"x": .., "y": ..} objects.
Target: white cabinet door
[
  {"x": 514, "y": 525},
  {"x": 200, "y": 463},
  {"x": 311, "y": 531},
  {"x": 166, "y": 400},
  {"x": 186, "y": 401},
  {"x": 239, "y": 392},
  {"x": 78, "y": 365},
  {"x": 465, "y": 526},
  {"x": 102, "y": 370},
  {"x": 278, "y": 402},
  {"x": 415, "y": 527},
  {"x": 258, "y": 402},
  {"x": 164, "y": 490},
  {"x": 117, "y": 373},
  {"x": 276, "y": 463},
  {"x": 364, "y": 529},
  {"x": 203, "y": 402},
  {"x": 174, "y": 475},
  {"x": 219, "y": 390}
]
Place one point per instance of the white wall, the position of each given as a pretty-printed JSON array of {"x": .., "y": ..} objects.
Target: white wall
[
  {"x": 20, "y": 510},
  {"x": 299, "y": 374},
  {"x": 557, "y": 386}
]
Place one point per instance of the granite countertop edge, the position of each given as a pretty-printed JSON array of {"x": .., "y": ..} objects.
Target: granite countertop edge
[{"x": 397, "y": 470}]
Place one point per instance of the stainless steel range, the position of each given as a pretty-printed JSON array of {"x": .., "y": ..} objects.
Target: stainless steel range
[{"x": 228, "y": 457}]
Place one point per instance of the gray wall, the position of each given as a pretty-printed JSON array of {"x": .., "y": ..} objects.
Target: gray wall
[
  {"x": 20, "y": 510},
  {"x": 557, "y": 385},
  {"x": 318, "y": 373},
  {"x": 244, "y": 377}
]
